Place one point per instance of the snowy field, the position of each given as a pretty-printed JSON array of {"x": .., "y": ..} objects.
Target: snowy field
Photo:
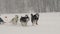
[{"x": 49, "y": 23}]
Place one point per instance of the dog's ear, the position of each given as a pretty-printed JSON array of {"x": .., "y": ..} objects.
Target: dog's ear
[
  {"x": 37, "y": 14},
  {"x": 26, "y": 15},
  {"x": 31, "y": 14}
]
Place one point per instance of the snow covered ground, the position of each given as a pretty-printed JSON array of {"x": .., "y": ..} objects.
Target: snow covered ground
[{"x": 49, "y": 23}]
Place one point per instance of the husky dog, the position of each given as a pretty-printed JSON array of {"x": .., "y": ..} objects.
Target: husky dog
[
  {"x": 15, "y": 20},
  {"x": 2, "y": 21},
  {"x": 24, "y": 20},
  {"x": 34, "y": 18}
]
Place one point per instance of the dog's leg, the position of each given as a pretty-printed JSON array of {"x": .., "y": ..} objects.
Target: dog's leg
[
  {"x": 14, "y": 23},
  {"x": 26, "y": 24},
  {"x": 33, "y": 23},
  {"x": 0, "y": 22},
  {"x": 36, "y": 22},
  {"x": 22, "y": 23}
]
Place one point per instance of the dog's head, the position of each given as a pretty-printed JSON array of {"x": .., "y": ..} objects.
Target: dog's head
[
  {"x": 16, "y": 16},
  {"x": 27, "y": 18},
  {"x": 37, "y": 15}
]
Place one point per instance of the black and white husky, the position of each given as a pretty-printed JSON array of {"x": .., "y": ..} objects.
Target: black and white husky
[
  {"x": 14, "y": 20},
  {"x": 24, "y": 20},
  {"x": 2, "y": 21},
  {"x": 34, "y": 19}
]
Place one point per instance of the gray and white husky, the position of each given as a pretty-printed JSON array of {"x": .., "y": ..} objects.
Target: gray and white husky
[
  {"x": 14, "y": 20},
  {"x": 24, "y": 20},
  {"x": 34, "y": 19}
]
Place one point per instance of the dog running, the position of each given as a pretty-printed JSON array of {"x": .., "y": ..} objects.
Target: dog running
[
  {"x": 24, "y": 20},
  {"x": 15, "y": 20},
  {"x": 2, "y": 21},
  {"x": 34, "y": 18}
]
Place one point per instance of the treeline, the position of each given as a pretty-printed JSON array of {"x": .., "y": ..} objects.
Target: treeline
[{"x": 22, "y": 6}]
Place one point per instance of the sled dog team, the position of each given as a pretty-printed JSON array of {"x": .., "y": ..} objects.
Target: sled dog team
[{"x": 24, "y": 20}]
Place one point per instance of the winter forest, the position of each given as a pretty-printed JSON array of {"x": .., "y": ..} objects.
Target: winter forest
[{"x": 27, "y": 6}]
